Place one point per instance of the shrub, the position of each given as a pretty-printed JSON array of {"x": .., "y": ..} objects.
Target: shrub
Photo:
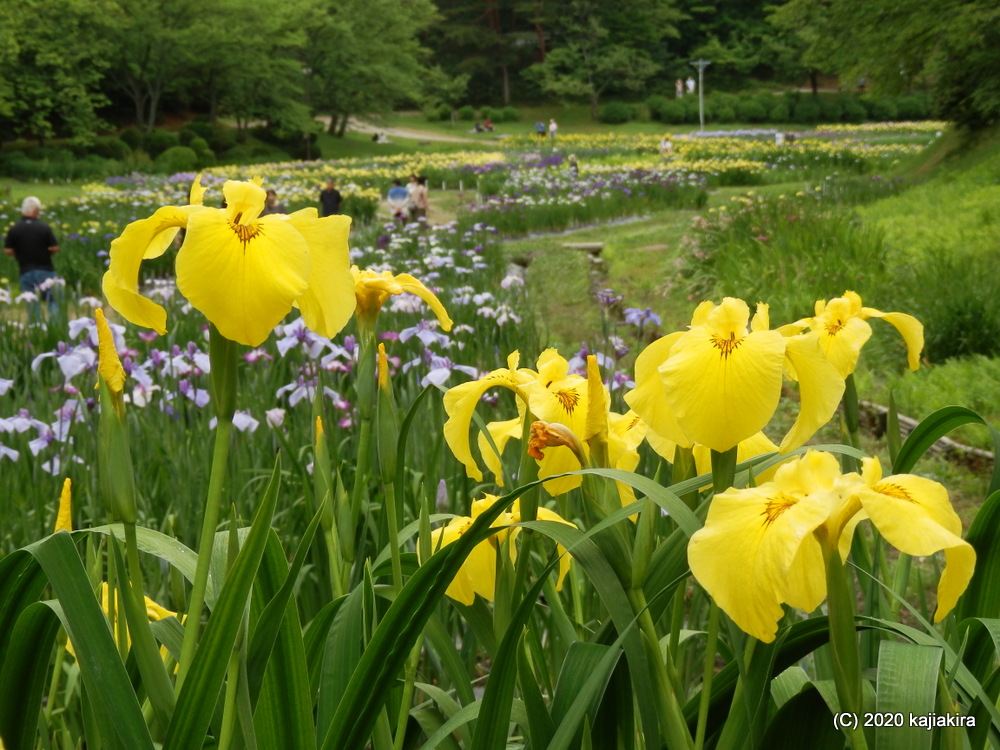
[
  {"x": 615, "y": 113},
  {"x": 437, "y": 112},
  {"x": 490, "y": 113},
  {"x": 752, "y": 109},
  {"x": 655, "y": 105},
  {"x": 721, "y": 107},
  {"x": 132, "y": 137},
  {"x": 467, "y": 113},
  {"x": 509, "y": 114},
  {"x": 807, "y": 110},
  {"x": 915, "y": 106},
  {"x": 881, "y": 110},
  {"x": 780, "y": 110},
  {"x": 851, "y": 109},
  {"x": 831, "y": 108},
  {"x": 673, "y": 111},
  {"x": 110, "y": 147},
  {"x": 177, "y": 159},
  {"x": 159, "y": 141}
]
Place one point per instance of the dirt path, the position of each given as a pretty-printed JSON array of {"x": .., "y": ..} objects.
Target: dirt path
[{"x": 361, "y": 126}]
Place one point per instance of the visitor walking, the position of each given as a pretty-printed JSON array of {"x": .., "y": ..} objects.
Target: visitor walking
[
  {"x": 32, "y": 244},
  {"x": 553, "y": 129},
  {"x": 690, "y": 84},
  {"x": 540, "y": 129},
  {"x": 398, "y": 198},
  {"x": 666, "y": 146},
  {"x": 272, "y": 205},
  {"x": 419, "y": 202},
  {"x": 330, "y": 199},
  {"x": 679, "y": 87}
]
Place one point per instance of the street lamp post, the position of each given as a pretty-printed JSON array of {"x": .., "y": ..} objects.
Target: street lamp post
[
  {"x": 306, "y": 72},
  {"x": 701, "y": 65}
]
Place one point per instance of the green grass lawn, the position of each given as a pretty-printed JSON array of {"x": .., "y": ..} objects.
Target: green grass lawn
[{"x": 12, "y": 192}]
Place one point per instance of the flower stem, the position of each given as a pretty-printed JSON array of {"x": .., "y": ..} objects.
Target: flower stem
[
  {"x": 674, "y": 731},
  {"x": 223, "y": 356},
  {"x": 844, "y": 643},
  {"x": 229, "y": 707},
  {"x": 707, "y": 675}
]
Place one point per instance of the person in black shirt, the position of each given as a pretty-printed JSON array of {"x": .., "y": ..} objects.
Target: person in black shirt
[
  {"x": 32, "y": 244},
  {"x": 330, "y": 199}
]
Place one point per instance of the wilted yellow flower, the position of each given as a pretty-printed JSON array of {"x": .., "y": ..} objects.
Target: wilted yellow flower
[{"x": 244, "y": 271}]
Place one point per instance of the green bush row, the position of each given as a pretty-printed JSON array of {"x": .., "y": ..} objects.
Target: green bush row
[
  {"x": 467, "y": 113},
  {"x": 793, "y": 106}
]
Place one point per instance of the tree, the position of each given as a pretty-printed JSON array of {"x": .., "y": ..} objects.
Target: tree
[
  {"x": 949, "y": 46},
  {"x": 601, "y": 46},
  {"x": 247, "y": 61},
  {"x": 151, "y": 40},
  {"x": 364, "y": 56},
  {"x": 57, "y": 64}
]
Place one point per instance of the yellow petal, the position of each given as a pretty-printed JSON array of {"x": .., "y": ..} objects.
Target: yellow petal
[
  {"x": 196, "y": 197},
  {"x": 723, "y": 390},
  {"x": 329, "y": 302},
  {"x": 121, "y": 281},
  {"x": 909, "y": 327},
  {"x": 460, "y": 589},
  {"x": 460, "y": 404},
  {"x": 842, "y": 343},
  {"x": 745, "y": 554},
  {"x": 649, "y": 399},
  {"x": 64, "y": 518},
  {"x": 243, "y": 276},
  {"x": 820, "y": 389},
  {"x": 915, "y": 515},
  {"x": 414, "y": 286},
  {"x": 544, "y": 514},
  {"x": 501, "y": 432},
  {"x": 559, "y": 460},
  {"x": 598, "y": 403},
  {"x": 108, "y": 364},
  {"x": 244, "y": 201}
]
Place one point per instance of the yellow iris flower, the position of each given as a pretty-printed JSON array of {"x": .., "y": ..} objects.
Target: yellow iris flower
[
  {"x": 765, "y": 546},
  {"x": 244, "y": 271},
  {"x": 554, "y": 396},
  {"x": 719, "y": 382},
  {"x": 372, "y": 289},
  {"x": 840, "y": 327},
  {"x": 479, "y": 571}
]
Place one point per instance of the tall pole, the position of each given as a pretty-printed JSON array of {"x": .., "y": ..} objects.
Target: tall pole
[{"x": 701, "y": 65}]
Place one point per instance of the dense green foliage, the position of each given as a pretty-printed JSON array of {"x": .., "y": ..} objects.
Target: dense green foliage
[{"x": 71, "y": 70}]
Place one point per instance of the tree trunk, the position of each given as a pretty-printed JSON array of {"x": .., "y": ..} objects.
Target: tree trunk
[
  {"x": 814, "y": 82},
  {"x": 342, "y": 128},
  {"x": 539, "y": 32},
  {"x": 595, "y": 99},
  {"x": 505, "y": 82}
]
